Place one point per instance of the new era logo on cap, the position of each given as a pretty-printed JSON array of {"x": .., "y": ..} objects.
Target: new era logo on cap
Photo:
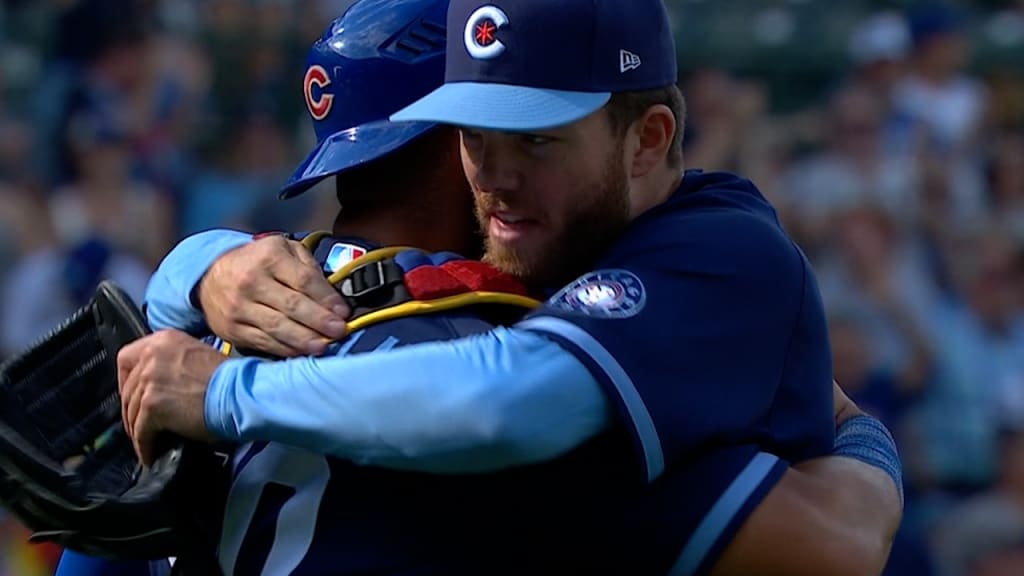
[{"x": 628, "y": 61}]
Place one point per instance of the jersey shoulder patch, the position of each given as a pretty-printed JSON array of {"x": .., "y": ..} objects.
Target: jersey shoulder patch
[{"x": 603, "y": 294}]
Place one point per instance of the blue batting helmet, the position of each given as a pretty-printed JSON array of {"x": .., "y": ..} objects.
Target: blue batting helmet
[{"x": 375, "y": 59}]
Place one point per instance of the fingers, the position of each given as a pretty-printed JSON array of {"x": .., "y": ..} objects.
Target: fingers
[
  {"x": 271, "y": 295},
  {"x": 144, "y": 439},
  {"x": 302, "y": 304},
  {"x": 127, "y": 361},
  {"x": 131, "y": 404},
  {"x": 303, "y": 275},
  {"x": 303, "y": 254},
  {"x": 163, "y": 379},
  {"x": 286, "y": 340},
  {"x": 293, "y": 318},
  {"x": 316, "y": 287}
]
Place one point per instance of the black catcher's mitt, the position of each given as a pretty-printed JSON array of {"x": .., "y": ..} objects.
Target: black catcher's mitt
[{"x": 67, "y": 467}]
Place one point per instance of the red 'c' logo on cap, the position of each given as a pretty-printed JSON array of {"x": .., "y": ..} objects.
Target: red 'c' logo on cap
[{"x": 319, "y": 106}]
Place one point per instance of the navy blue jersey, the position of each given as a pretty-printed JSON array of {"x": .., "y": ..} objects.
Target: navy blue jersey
[{"x": 705, "y": 325}]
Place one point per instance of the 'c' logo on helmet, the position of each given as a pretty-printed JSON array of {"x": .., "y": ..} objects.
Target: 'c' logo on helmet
[
  {"x": 319, "y": 107},
  {"x": 479, "y": 35}
]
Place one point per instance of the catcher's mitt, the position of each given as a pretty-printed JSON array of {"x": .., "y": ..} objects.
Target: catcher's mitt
[{"x": 67, "y": 468}]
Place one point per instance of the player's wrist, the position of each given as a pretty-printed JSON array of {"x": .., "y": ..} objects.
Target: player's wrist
[
  {"x": 203, "y": 293},
  {"x": 866, "y": 439}
]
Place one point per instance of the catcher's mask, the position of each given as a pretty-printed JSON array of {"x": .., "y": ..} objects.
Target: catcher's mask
[{"x": 67, "y": 468}]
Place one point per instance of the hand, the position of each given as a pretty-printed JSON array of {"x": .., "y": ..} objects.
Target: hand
[
  {"x": 162, "y": 379},
  {"x": 271, "y": 295},
  {"x": 842, "y": 406}
]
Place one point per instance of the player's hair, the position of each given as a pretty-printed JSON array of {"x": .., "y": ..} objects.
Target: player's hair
[{"x": 624, "y": 108}]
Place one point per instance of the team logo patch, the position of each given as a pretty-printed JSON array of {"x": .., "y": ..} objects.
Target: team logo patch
[
  {"x": 603, "y": 294},
  {"x": 319, "y": 104},
  {"x": 340, "y": 255},
  {"x": 480, "y": 34}
]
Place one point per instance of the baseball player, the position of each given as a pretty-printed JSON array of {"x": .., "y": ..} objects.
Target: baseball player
[{"x": 604, "y": 348}]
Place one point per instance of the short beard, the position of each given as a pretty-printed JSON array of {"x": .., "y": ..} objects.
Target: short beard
[{"x": 587, "y": 235}]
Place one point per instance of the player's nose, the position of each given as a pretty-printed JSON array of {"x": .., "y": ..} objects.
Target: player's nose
[{"x": 496, "y": 167}]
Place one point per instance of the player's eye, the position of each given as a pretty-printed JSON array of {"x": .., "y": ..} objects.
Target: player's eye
[{"x": 537, "y": 139}]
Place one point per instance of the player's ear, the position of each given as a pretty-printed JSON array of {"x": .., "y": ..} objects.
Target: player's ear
[{"x": 653, "y": 133}]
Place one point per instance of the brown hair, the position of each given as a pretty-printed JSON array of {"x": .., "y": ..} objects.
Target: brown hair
[{"x": 624, "y": 108}]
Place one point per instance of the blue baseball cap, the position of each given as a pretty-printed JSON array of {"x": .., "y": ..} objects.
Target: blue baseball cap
[{"x": 519, "y": 65}]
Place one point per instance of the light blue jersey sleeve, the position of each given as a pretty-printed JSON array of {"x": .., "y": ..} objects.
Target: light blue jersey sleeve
[
  {"x": 481, "y": 403},
  {"x": 168, "y": 302}
]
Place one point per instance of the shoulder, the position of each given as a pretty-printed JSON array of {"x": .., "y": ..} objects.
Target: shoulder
[
  {"x": 713, "y": 223},
  {"x": 708, "y": 207}
]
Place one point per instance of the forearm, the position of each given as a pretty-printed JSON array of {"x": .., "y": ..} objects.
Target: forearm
[
  {"x": 168, "y": 301},
  {"x": 833, "y": 516},
  {"x": 462, "y": 406}
]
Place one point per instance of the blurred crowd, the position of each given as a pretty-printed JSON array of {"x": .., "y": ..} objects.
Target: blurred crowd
[{"x": 126, "y": 125}]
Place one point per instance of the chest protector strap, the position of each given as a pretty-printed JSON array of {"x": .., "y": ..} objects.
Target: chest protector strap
[{"x": 395, "y": 282}]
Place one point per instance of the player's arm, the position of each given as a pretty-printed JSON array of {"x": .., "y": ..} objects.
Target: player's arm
[
  {"x": 505, "y": 398},
  {"x": 835, "y": 515},
  {"x": 831, "y": 515},
  {"x": 819, "y": 504},
  {"x": 169, "y": 301},
  {"x": 279, "y": 301},
  {"x": 510, "y": 398},
  {"x": 739, "y": 510}
]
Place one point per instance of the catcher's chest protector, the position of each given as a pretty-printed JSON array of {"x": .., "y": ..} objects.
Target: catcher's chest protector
[
  {"x": 382, "y": 284},
  {"x": 68, "y": 470}
]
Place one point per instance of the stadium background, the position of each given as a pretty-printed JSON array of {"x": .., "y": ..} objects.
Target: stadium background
[{"x": 125, "y": 125}]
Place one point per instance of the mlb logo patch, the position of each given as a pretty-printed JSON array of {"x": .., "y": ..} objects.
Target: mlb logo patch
[
  {"x": 342, "y": 254},
  {"x": 603, "y": 294}
]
